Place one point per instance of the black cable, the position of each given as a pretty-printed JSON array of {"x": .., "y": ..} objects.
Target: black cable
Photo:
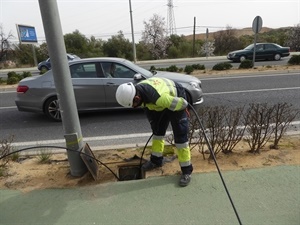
[
  {"x": 215, "y": 160},
  {"x": 141, "y": 161},
  {"x": 160, "y": 118},
  {"x": 59, "y": 147}
]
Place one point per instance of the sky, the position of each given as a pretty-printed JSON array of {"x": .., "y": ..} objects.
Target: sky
[{"x": 104, "y": 18}]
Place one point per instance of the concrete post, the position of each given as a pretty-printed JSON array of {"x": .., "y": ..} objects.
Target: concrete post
[{"x": 63, "y": 83}]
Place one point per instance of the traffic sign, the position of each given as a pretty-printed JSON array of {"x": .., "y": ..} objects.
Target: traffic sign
[{"x": 257, "y": 24}]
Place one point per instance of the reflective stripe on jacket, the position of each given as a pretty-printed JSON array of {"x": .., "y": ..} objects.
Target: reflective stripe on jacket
[{"x": 159, "y": 94}]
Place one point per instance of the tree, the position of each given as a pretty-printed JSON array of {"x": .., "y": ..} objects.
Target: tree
[
  {"x": 42, "y": 52},
  {"x": 95, "y": 47},
  {"x": 155, "y": 37},
  {"x": 293, "y": 40},
  {"x": 207, "y": 49},
  {"x": 23, "y": 54},
  {"x": 5, "y": 45},
  {"x": 118, "y": 46},
  {"x": 142, "y": 51},
  {"x": 76, "y": 43},
  {"x": 226, "y": 41}
]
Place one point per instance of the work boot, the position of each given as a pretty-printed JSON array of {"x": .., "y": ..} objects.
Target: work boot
[
  {"x": 149, "y": 166},
  {"x": 185, "y": 179}
]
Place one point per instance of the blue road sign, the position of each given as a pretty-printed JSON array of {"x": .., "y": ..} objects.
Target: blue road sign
[{"x": 26, "y": 34}]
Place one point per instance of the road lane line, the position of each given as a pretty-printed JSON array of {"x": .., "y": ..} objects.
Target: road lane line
[
  {"x": 8, "y": 107},
  {"x": 246, "y": 91},
  {"x": 241, "y": 76},
  {"x": 99, "y": 138}
]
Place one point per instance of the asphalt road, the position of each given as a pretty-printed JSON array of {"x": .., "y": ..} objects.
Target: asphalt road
[
  {"x": 180, "y": 63},
  {"x": 130, "y": 127}
]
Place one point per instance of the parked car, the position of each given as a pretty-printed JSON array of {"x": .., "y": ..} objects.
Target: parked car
[
  {"x": 263, "y": 51},
  {"x": 95, "y": 81},
  {"x": 46, "y": 65}
]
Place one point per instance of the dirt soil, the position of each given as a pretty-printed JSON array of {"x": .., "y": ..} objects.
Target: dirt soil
[{"x": 30, "y": 174}]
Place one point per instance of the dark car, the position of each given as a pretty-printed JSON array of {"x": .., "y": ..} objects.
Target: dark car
[
  {"x": 46, "y": 65},
  {"x": 263, "y": 51},
  {"x": 95, "y": 81}
]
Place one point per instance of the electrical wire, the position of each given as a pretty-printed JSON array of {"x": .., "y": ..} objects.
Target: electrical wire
[
  {"x": 215, "y": 160},
  {"x": 141, "y": 161},
  {"x": 59, "y": 147}
]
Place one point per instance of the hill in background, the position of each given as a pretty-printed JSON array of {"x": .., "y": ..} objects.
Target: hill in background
[{"x": 238, "y": 33}]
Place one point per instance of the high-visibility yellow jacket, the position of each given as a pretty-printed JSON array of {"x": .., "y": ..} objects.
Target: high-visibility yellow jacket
[{"x": 159, "y": 94}]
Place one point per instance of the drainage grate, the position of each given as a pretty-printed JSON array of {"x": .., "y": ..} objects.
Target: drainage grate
[{"x": 131, "y": 172}]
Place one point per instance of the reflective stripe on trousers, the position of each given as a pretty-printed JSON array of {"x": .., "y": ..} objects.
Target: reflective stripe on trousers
[
  {"x": 158, "y": 144},
  {"x": 182, "y": 150},
  {"x": 184, "y": 154}
]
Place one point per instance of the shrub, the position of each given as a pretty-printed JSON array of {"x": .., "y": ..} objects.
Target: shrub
[
  {"x": 26, "y": 74},
  {"x": 2, "y": 81},
  {"x": 198, "y": 67},
  {"x": 294, "y": 60},
  {"x": 12, "y": 80},
  {"x": 13, "y": 77},
  {"x": 222, "y": 66},
  {"x": 172, "y": 68},
  {"x": 12, "y": 74},
  {"x": 152, "y": 68},
  {"x": 246, "y": 64},
  {"x": 188, "y": 69},
  {"x": 5, "y": 150}
]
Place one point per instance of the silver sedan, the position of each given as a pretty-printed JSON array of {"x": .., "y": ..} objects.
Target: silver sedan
[{"x": 95, "y": 81}]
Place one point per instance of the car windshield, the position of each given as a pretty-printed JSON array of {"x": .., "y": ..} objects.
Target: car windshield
[
  {"x": 249, "y": 47},
  {"x": 139, "y": 69}
]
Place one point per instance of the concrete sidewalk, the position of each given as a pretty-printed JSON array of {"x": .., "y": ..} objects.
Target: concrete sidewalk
[{"x": 267, "y": 196}]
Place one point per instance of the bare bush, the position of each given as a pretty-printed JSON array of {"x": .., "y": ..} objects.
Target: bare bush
[
  {"x": 233, "y": 132},
  {"x": 196, "y": 137},
  {"x": 258, "y": 126},
  {"x": 225, "y": 128},
  {"x": 5, "y": 149},
  {"x": 284, "y": 114}
]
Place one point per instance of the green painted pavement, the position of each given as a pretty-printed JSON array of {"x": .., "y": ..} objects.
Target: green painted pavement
[{"x": 266, "y": 196}]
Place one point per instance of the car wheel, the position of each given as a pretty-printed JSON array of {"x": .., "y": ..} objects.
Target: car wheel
[
  {"x": 242, "y": 58},
  {"x": 277, "y": 57},
  {"x": 51, "y": 109}
]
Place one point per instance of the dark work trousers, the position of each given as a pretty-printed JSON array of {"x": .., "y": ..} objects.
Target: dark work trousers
[{"x": 159, "y": 120}]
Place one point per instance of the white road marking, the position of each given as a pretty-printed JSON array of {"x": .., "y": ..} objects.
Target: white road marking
[
  {"x": 250, "y": 76},
  {"x": 257, "y": 90}
]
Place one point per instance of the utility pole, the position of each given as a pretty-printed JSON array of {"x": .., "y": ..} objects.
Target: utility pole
[
  {"x": 63, "y": 84},
  {"x": 194, "y": 36},
  {"x": 132, "y": 33}
]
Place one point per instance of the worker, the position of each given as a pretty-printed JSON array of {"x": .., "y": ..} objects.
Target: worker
[{"x": 164, "y": 101}]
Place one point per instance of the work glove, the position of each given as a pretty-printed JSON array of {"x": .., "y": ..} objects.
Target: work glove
[{"x": 187, "y": 112}]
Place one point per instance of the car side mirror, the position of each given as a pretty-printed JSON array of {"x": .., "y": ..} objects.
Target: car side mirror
[{"x": 137, "y": 76}]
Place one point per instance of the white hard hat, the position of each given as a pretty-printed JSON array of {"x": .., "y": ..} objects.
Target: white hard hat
[{"x": 125, "y": 94}]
